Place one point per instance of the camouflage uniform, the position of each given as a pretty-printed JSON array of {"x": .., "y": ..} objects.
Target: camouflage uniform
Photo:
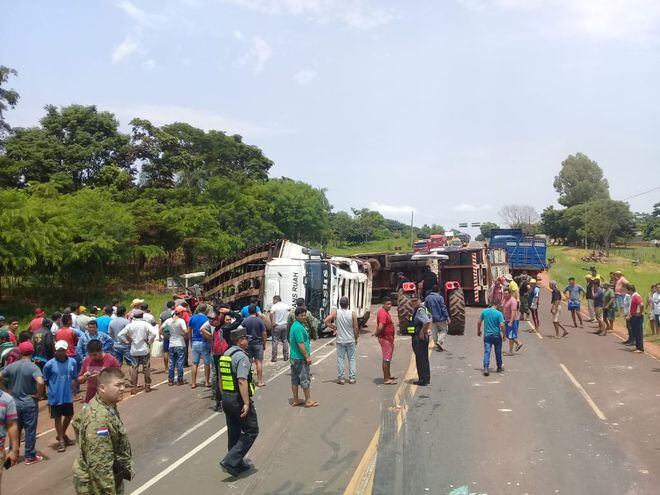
[{"x": 105, "y": 454}]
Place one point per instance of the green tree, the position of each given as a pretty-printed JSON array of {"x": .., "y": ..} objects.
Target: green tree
[
  {"x": 77, "y": 141},
  {"x": 553, "y": 224},
  {"x": 485, "y": 229},
  {"x": 341, "y": 224},
  {"x": 8, "y": 99},
  {"x": 580, "y": 181},
  {"x": 368, "y": 225},
  {"x": 605, "y": 220}
]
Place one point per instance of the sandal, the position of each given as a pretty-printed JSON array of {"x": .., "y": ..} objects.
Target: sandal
[
  {"x": 390, "y": 382},
  {"x": 296, "y": 404},
  {"x": 311, "y": 404}
]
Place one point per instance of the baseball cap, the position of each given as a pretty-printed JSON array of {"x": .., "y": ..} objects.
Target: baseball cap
[
  {"x": 179, "y": 309},
  {"x": 39, "y": 312},
  {"x": 237, "y": 334},
  {"x": 138, "y": 313},
  {"x": 61, "y": 344},
  {"x": 82, "y": 309},
  {"x": 533, "y": 281},
  {"x": 4, "y": 333},
  {"x": 26, "y": 347}
]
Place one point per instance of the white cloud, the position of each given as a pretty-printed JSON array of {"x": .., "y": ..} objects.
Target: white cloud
[
  {"x": 304, "y": 76},
  {"x": 261, "y": 51},
  {"x": 204, "y": 119},
  {"x": 132, "y": 11},
  {"x": 238, "y": 35},
  {"x": 397, "y": 210},
  {"x": 601, "y": 19},
  {"x": 150, "y": 64},
  {"x": 124, "y": 49},
  {"x": 466, "y": 207},
  {"x": 357, "y": 14}
]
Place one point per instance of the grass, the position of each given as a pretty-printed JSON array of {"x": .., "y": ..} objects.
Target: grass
[
  {"x": 381, "y": 246},
  {"x": 568, "y": 264}
]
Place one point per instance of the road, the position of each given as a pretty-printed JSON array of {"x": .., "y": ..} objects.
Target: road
[{"x": 577, "y": 415}]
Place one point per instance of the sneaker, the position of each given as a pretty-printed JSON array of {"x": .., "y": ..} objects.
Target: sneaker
[
  {"x": 218, "y": 408},
  {"x": 68, "y": 442},
  {"x": 61, "y": 447},
  {"x": 33, "y": 460},
  {"x": 273, "y": 360},
  {"x": 638, "y": 351},
  {"x": 420, "y": 383},
  {"x": 351, "y": 381},
  {"x": 500, "y": 370},
  {"x": 486, "y": 372},
  {"x": 170, "y": 384}
]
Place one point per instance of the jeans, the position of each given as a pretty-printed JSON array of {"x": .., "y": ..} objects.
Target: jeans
[
  {"x": 216, "y": 378},
  {"x": 27, "y": 420},
  {"x": 342, "y": 351},
  {"x": 636, "y": 323},
  {"x": 176, "y": 359},
  {"x": 280, "y": 334},
  {"x": 439, "y": 330},
  {"x": 241, "y": 432},
  {"x": 201, "y": 349},
  {"x": 495, "y": 340},
  {"x": 123, "y": 354},
  {"x": 145, "y": 362},
  {"x": 631, "y": 337},
  {"x": 421, "y": 349}
]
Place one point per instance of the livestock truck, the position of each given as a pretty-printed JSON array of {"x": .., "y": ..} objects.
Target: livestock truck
[
  {"x": 525, "y": 253},
  {"x": 291, "y": 271}
]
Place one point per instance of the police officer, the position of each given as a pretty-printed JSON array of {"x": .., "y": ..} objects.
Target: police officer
[
  {"x": 105, "y": 459},
  {"x": 237, "y": 389},
  {"x": 419, "y": 329}
]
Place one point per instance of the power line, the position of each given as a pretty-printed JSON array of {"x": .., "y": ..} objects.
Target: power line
[{"x": 642, "y": 193}]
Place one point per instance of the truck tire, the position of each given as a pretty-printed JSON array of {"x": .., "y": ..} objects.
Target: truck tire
[
  {"x": 456, "y": 307},
  {"x": 404, "y": 311}
]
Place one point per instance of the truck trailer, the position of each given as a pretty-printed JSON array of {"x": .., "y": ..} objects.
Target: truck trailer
[{"x": 525, "y": 253}]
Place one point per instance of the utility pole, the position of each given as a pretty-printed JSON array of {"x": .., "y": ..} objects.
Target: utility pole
[{"x": 412, "y": 217}]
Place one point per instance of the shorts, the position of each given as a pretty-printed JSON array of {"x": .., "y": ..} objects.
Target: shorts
[
  {"x": 59, "y": 410},
  {"x": 166, "y": 344},
  {"x": 387, "y": 347},
  {"x": 599, "y": 312},
  {"x": 300, "y": 373},
  {"x": 255, "y": 350},
  {"x": 574, "y": 305},
  {"x": 201, "y": 349},
  {"x": 610, "y": 313},
  {"x": 512, "y": 330}
]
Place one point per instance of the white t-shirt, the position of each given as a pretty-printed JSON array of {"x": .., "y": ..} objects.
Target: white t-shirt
[
  {"x": 656, "y": 303},
  {"x": 142, "y": 334},
  {"x": 149, "y": 318},
  {"x": 177, "y": 329},
  {"x": 280, "y": 312}
]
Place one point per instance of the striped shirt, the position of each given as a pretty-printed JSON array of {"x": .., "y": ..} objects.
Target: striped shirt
[{"x": 7, "y": 413}]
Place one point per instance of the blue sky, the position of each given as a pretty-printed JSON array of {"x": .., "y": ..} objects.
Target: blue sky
[{"x": 453, "y": 108}]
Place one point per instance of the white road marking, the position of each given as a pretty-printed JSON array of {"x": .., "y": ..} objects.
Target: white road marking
[
  {"x": 584, "y": 393},
  {"x": 209, "y": 440},
  {"x": 190, "y": 430}
]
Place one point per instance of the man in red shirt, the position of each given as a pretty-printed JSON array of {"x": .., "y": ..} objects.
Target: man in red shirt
[
  {"x": 93, "y": 364},
  {"x": 385, "y": 334},
  {"x": 37, "y": 321},
  {"x": 636, "y": 318},
  {"x": 67, "y": 334}
]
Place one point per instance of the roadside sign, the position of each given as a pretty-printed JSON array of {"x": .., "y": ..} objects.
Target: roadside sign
[
  {"x": 462, "y": 225},
  {"x": 476, "y": 224}
]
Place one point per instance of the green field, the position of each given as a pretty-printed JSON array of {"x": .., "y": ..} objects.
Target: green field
[{"x": 382, "y": 246}]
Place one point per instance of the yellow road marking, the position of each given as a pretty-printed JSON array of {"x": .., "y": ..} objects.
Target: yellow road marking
[
  {"x": 362, "y": 481},
  {"x": 584, "y": 393}
]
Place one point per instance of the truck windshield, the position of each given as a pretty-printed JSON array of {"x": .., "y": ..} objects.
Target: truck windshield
[{"x": 317, "y": 296}]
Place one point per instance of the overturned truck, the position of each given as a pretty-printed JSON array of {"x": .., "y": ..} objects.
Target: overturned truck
[
  {"x": 464, "y": 275},
  {"x": 283, "y": 268}
]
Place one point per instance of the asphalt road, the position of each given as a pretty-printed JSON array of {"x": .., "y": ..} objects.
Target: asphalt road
[{"x": 528, "y": 430}]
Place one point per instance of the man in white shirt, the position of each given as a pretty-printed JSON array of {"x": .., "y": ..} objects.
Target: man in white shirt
[
  {"x": 279, "y": 313},
  {"x": 140, "y": 334},
  {"x": 656, "y": 308}
]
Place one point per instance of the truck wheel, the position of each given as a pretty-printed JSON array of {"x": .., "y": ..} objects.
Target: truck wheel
[
  {"x": 404, "y": 310},
  {"x": 456, "y": 306}
]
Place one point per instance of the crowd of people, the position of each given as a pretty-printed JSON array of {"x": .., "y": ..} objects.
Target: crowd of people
[{"x": 55, "y": 355}]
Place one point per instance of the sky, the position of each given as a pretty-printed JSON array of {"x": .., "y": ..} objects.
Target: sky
[{"x": 450, "y": 108}]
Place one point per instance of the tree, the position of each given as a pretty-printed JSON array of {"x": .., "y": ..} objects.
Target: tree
[
  {"x": 580, "y": 181},
  {"x": 8, "y": 99},
  {"x": 77, "y": 141},
  {"x": 425, "y": 231},
  {"x": 606, "y": 219},
  {"x": 341, "y": 224},
  {"x": 368, "y": 225},
  {"x": 553, "y": 224},
  {"x": 485, "y": 230},
  {"x": 520, "y": 217}
]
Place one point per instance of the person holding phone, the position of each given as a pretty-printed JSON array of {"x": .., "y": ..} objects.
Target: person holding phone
[{"x": 92, "y": 365}]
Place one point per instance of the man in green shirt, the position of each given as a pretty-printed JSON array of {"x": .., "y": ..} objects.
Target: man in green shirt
[
  {"x": 309, "y": 322},
  {"x": 609, "y": 308},
  {"x": 301, "y": 359}
]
